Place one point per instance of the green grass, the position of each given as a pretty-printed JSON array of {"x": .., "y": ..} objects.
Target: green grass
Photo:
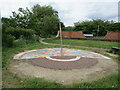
[
  {"x": 40, "y": 83},
  {"x": 110, "y": 81},
  {"x": 11, "y": 80},
  {"x": 86, "y": 43}
]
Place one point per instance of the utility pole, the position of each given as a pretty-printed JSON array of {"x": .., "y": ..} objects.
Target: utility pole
[{"x": 61, "y": 51}]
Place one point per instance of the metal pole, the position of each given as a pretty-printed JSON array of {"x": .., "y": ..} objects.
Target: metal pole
[{"x": 61, "y": 52}]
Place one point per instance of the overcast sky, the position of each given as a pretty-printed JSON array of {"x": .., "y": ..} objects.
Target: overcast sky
[{"x": 70, "y": 11}]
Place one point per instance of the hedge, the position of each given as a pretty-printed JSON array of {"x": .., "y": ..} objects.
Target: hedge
[{"x": 18, "y": 32}]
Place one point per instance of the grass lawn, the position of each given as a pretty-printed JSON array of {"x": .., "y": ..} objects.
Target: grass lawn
[
  {"x": 110, "y": 81},
  {"x": 11, "y": 80},
  {"x": 86, "y": 43}
]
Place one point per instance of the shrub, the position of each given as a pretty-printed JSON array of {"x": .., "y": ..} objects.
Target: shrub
[
  {"x": 35, "y": 37},
  {"x": 20, "y": 42},
  {"x": 7, "y": 40},
  {"x": 114, "y": 52},
  {"x": 18, "y": 32}
]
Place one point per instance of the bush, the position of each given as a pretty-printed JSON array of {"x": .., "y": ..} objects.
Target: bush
[
  {"x": 7, "y": 40},
  {"x": 22, "y": 41},
  {"x": 114, "y": 52},
  {"x": 34, "y": 38},
  {"x": 18, "y": 32}
]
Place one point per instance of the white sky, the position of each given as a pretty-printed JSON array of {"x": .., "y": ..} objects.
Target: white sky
[{"x": 70, "y": 11}]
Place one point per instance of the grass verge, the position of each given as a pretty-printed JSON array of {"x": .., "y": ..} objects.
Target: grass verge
[
  {"x": 110, "y": 81},
  {"x": 85, "y": 43}
]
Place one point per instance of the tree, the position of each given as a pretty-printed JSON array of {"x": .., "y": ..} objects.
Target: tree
[
  {"x": 50, "y": 26},
  {"x": 42, "y": 19},
  {"x": 69, "y": 28},
  {"x": 94, "y": 25},
  {"x": 21, "y": 19},
  {"x": 45, "y": 20},
  {"x": 115, "y": 27}
]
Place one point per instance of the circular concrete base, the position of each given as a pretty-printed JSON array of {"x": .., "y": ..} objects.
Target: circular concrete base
[
  {"x": 29, "y": 69},
  {"x": 90, "y": 66}
]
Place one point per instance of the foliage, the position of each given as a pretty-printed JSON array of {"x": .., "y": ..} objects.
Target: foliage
[
  {"x": 50, "y": 26},
  {"x": 21, "y": 19},
  {"x": 18, "y": 32},
  {"x": 114, "y": 51},
  {"x": 69, "y": 28},
  {"x": 45, "y": 20},
  {"x": 97, "y": 27},
  {"x": 114, "y": 27},
  {"x": 7, "y": 40},
  {"x": 6, "y": 22}
]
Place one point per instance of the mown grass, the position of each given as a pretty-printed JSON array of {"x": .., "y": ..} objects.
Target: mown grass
[
  {"x": 86, "y": 43},
  {"x": 40, "y": 83},
  {"x": 11, "y": 80},
  {"x": 110, "y": 81}
]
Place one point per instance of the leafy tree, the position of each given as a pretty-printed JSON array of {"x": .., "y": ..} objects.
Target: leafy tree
[
  {"x": 69, "y": 28},
  {"x": 45, "y": 20},
  {"x": 6, "y": 22},
  {"x": 97, "y": 27},
  {"x": 21, "y": 19},
  {"x": 115, "y": 27},
  {"x": 50, "y": 26}
]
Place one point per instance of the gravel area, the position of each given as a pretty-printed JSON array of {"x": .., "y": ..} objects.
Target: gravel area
[{"x": 78, "y": 64}]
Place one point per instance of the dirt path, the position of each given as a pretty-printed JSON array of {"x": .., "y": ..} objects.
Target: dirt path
[{"x": 102, "y": 68}]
